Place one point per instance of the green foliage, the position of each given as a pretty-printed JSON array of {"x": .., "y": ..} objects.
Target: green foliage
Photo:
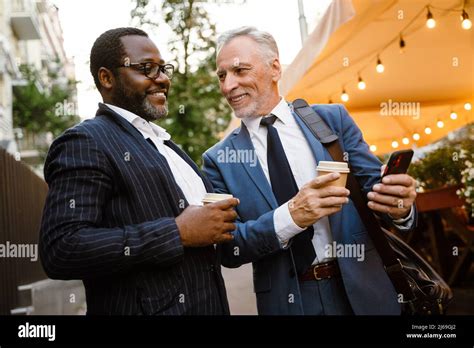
[
  {"x": 444, "y": 165},
  {"x": 197, "y": 111},
  {"x": 39, "y": 110},
  {"x": 437, "y": 169}
]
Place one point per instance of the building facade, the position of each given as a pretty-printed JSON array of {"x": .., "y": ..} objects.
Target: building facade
[{"x": 30, "y": 34}]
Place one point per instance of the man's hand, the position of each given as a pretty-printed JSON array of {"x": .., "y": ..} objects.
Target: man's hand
[
  {"x": 394, "y": 196},
  {"x": 205, "y": 225},
  {"x": 315, "y": 201}
]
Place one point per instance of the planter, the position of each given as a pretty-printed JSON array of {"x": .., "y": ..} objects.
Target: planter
[{"x": 437, "y": 199}]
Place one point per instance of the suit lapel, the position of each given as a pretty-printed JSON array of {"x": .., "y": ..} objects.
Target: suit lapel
[
  {"x": 127, "y": 126},
  {"x": 145, "y": 144},
  {"x": 242, "y": 142},
  {"x": 317, "y": 148},
  {"x": 103, "y": 109}
]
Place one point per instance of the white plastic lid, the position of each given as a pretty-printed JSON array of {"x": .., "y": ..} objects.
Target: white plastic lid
[
  {"x": 332, "y": 166},
  {"x": 215, "y": 197}
]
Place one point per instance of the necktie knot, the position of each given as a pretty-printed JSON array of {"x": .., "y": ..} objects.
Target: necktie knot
[{"x": 268, "y": 121}]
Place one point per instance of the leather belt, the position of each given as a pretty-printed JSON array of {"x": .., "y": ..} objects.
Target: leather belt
[{"x": 321, "y": 271}]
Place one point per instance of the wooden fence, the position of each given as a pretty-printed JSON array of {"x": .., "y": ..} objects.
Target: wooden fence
[{"x": 22, "y": 196}]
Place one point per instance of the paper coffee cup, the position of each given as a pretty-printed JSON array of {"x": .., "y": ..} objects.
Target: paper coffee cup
[
  {"x": 215, "y": 197},
  {"x": 327, "y": 167}
]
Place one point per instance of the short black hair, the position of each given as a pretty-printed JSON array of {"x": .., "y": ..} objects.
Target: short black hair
[{"x": 108, "y": 50}]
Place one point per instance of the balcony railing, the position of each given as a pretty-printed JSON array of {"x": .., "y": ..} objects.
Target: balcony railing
[{"x": 24, "y": 20}]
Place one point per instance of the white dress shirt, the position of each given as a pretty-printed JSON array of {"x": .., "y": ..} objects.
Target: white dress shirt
[
  {"x": 302, "y": 164},
  {"x": 187, "y": 179}
]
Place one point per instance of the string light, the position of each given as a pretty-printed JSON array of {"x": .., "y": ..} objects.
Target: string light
[
  {"x": 427, "y": 130},
  {"x": 344, "y": 96},
  {"x": 380, "y": 68},
  {"x": 466, "y": 22},
  {"x": 430, "y": 22},
  {"x": 361, "y": 84}
]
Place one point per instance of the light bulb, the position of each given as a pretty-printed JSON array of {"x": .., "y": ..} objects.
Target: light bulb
[
  {"x": 380, "y": 68},
  {"x": 361, "y": 85},
  {"x": 344, "y": 96},
  {"x": 394, "y": 144},
  {"x": 467, "y": 106},
  {"x": 453, "y": 115},
  {"x": 466, "y": 22},
  {"x": 430, "y": 22},
  {"x": 373, "y": 148},
  {"x": 405, "y": 141},
  {"x": 416, "y": 136},
  {"x": 440, "y": 124},
  {"x": 428, "y": 130}
]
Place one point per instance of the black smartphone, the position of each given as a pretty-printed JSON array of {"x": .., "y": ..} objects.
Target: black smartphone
[{"x": 398, "y": 162}]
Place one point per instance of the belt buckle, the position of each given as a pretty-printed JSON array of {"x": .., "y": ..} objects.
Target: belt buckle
[{"x": 315, "y": 273}]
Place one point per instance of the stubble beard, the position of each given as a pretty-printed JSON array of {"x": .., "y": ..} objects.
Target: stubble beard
[{"x": 138, "y": 103}]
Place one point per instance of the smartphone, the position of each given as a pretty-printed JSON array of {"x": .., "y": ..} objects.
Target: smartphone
[{"x": 398, "y": 162}]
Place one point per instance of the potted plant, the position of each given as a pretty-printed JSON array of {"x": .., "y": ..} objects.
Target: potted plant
[{"x": 448, "y": 169}]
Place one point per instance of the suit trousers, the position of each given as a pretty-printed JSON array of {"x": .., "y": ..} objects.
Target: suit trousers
[{"x": 325, "y": 297}]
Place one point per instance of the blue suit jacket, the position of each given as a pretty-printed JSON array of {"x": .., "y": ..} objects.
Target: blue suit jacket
[
  {"x": 367, "y": 285},
  {"x": 109, "y": 219}
]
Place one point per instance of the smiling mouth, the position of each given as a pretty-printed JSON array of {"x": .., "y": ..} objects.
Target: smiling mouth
[
  {"x": 236, "y": 99},
  {"x": 158, "y": 95}
]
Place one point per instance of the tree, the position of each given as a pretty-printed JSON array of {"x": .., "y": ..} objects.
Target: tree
[
  {"x": 40, "y": 110},
  {"x": 197, "y": 111}
]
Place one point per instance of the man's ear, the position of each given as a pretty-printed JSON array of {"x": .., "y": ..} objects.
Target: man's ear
[
  {"x": 106, "y": 78},
  {"x": 276, "y": 70}
]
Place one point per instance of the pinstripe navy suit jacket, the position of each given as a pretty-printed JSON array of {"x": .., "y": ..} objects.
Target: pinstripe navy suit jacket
[{"x": 109, "y": 219}]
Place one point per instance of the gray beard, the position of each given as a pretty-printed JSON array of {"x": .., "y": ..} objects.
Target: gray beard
[
  {"x": 246, "y": 113},
  {"x": 153, "y": 112}
]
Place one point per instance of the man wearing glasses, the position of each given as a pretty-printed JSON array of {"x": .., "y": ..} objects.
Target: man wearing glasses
[{"x": 122, "y": 211}]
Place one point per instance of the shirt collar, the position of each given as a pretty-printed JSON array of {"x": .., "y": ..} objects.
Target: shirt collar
[
  {"x": 146, "y": 128},
  {"x": 282, "y": 111}
]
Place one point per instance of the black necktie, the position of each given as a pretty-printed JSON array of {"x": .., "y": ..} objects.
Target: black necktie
[{"x": 284, "y": 188}]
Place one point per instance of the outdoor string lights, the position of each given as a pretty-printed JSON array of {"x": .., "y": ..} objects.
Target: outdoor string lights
[
  {"x": 431, "y": 23},
  {"x": 416, "y": 136}
]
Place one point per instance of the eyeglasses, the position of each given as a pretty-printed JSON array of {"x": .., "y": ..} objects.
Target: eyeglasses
[{"x": 152, "y": 70}]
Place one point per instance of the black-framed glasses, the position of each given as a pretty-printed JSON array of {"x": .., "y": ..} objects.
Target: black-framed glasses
[{"x": 152, "y": 70}]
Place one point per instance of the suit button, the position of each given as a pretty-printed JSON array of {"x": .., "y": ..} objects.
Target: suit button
[{"x": 212, "y": 268}]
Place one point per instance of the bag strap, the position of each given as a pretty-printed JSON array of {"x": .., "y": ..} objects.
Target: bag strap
[{"x": 330, "y": 141}]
